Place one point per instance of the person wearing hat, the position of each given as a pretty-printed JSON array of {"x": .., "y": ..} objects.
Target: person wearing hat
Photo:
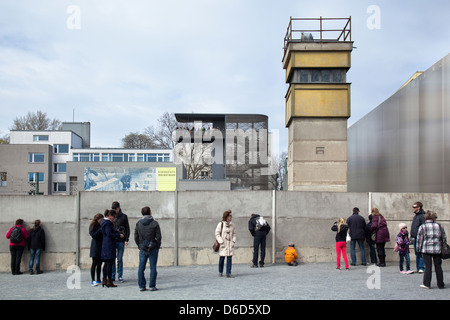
[
  {"x": 290, "y": 255},
  {"x": 357, "y": 226},
  {"x": 402, "y": 245},
  {"x": 120, "y": 224}
]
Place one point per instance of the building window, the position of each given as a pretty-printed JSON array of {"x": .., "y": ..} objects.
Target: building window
[
  {"x": 36, "y": 157},
  {"x": 61, "y": 148},
  {"x": 59, "y": 167},
  {"x": 59, "y": 187},
  {"x": 3, "y": 179},
  {"x": 319, "y": 76},
  {"x": 32, "y": 176},
  {"x": 40, "y": 138}
]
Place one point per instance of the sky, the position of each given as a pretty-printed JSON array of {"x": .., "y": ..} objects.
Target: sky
[{"x": 121, "y": 64}]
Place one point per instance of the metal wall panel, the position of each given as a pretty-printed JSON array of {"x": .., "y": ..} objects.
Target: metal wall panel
[{"x": 403, "y": 145}]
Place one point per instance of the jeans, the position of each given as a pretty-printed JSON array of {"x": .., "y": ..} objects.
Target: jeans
[
  {"x": 419, "y": 258},
  {"x": 259, "y": 242},
  {"x": 222, "y": 262},
  {"x": 152, "y": 257},
  {"x": 35, "y": 253},
  {"x": 406, "y": 258},
  {"x": 437, "y": 259},
  {"x": 361, "y": 248},
  {"x": 120, "y": 246}
]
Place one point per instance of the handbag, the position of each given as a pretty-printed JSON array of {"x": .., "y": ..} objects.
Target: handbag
[
  {"x": 348, "y": 238},
  {"x": 445, "y": 248},
  {"x": 216, "y": 245}
]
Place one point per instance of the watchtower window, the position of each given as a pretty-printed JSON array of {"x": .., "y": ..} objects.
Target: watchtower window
[{"x": 318, "y": 76}]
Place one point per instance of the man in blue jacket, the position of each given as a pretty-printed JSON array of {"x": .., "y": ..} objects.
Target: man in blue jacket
[{"x": 357, "y": 226}]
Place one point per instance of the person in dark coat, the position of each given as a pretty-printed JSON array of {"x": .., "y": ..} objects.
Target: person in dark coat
[
  {"x": 109, "y": 246},
  {"x": 259, "y": 228},
  {"x": 357, "y": 226},
  {"x": 418, "y": 220},
  {"x": 36, "y": 244},
  {"x": 379, "y": 226},
  {"x": 147, "y": 233},
  {"x": 95, "y": 231}
]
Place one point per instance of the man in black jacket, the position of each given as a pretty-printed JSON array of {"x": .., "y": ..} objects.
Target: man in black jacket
[
  {"x": 419, "y": 219},
  {"x": 357, "y": 226},
  {"x": 147, "y": 236},
  {"x": 120, "y": 224},
  {"x": 259, "y": 228}
]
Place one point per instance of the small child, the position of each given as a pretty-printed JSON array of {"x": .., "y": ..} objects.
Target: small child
[
  {"x": 290, "y": 255},
  {"x": 403, "y": 248}
]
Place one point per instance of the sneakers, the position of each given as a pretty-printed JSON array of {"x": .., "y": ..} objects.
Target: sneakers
[
  {"x": 406, "y": 272},
  {"x": 424, "y": 286},
  {"x": 95, "y": 283}
]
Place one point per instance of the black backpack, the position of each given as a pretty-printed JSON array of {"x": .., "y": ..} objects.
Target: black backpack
[{"x": 16, "y": 235}]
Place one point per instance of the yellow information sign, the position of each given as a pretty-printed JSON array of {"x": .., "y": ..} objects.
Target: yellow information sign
[{"x": 166, "y": 179}]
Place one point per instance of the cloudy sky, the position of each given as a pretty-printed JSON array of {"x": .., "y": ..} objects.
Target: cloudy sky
[{"x": 121, "y": 64}]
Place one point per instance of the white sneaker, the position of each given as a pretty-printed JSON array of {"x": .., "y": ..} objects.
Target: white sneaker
[
  {"x": 94, "y": 283},
  {"x": 424, "y": 286}
]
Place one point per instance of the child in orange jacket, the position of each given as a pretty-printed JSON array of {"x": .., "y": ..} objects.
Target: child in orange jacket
[{"x": 290, "y": 255}]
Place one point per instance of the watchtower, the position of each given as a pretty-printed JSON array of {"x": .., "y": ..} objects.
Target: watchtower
[{"x": 316, "y": 59}]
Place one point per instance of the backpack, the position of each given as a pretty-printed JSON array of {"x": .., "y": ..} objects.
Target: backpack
[
  {"x": 260, "y": 222},
  {"x": 16, "y": 235}
]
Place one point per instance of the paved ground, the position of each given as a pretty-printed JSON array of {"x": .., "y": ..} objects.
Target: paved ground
[{"x": 319, "y": 281}]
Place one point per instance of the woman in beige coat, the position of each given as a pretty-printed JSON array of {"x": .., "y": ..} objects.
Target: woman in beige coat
[{"x": 226, "y": 236}]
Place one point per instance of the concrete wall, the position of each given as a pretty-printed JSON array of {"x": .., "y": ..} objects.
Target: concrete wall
[{"x": 188, "y": 220}]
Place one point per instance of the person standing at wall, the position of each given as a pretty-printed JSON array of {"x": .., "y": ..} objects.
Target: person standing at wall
[
  {"x": 36, "y": 244},
  {"x": 95, "y": 231},
  {"x": 17, "y": 236},
  {"x": 147, "y": 236},
  {"x": 429, "y": 243},
  {"x": 226, "y": 236},
  {"x": 341, "y": 243},
  {"x": 121, "y": 224},
  {"x": 379, "y": 227},
  {"x": 418, "y": 220},
  {"x": 259, "y": 228},
  {"x": 110, "y": 235},
  {"x": 357, "y": 225}
]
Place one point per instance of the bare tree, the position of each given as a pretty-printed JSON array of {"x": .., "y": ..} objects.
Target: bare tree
[
  {"x": 196, "y": 158},
  {"x": 136, "y": 140},
  {"x": 279, "y": 166},
  {"x": 162, "y": 135},
  {"x": 36, "y": 121}
]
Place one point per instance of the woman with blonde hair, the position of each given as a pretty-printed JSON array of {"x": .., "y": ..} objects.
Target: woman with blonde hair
[
  {"x": 226, "y": 236},
  {"x": 341, "y": 245},
  {"x": 381, "y": 233}
]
